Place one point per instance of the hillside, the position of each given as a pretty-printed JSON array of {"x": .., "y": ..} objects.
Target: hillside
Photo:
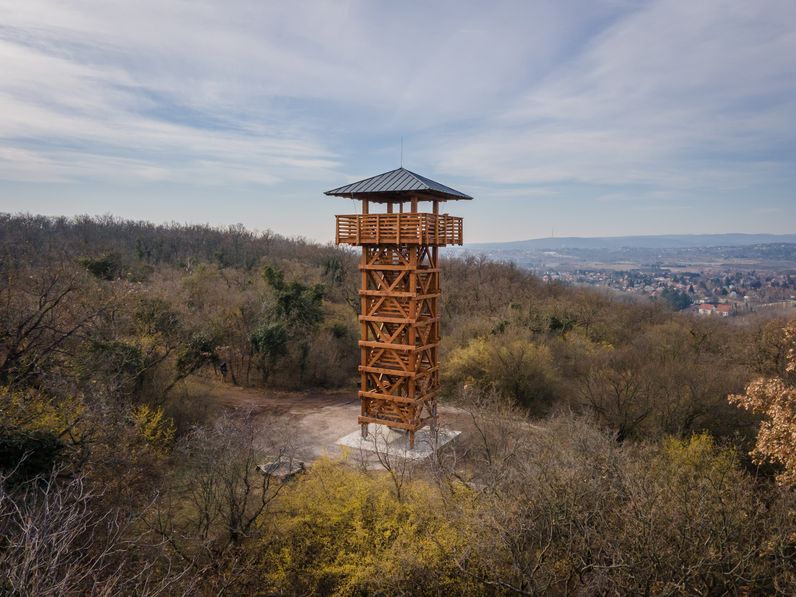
[{"x": 145, "y": 372}]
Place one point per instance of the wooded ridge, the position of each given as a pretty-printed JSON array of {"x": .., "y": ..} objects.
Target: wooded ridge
[{"x": 613, "y": 446}]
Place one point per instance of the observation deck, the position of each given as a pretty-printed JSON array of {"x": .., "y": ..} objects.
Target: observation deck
[{"x": 399, "y": 229}]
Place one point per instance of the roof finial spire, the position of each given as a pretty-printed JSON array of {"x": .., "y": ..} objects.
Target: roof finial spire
[{"x": 402, "y": 151}]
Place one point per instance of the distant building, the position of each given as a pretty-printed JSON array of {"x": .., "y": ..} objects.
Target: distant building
[{"x": 722, "y": 309}]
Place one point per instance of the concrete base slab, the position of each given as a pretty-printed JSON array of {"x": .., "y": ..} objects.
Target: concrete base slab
[{"x": 395, "y": 442}]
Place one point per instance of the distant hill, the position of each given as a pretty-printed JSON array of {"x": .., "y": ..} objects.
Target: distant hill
[{"x": 665, "y": 241}]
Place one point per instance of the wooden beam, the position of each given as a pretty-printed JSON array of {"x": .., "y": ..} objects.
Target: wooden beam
[
  {"x": 393, "y": 268},
  {"x": 393, "y": 346},
  {"x": 388, "y": 422},
  {"x": 387, "y": 319},
  {"x": 402, "y": 399},
  {"x": 399, "y": 372},
  {"x": 388, "y": 397},
  {"x": 398, "y": 294}
]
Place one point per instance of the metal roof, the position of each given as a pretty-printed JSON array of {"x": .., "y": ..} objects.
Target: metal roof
[{"x": 401, "y": 181}]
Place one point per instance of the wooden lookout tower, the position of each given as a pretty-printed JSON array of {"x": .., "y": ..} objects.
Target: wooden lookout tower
[{"x": 399, "y": 294}]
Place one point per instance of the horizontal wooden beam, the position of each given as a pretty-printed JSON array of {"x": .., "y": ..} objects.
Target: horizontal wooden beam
[
  {"x": 388, "y": 397},
  {"x": 384, "y": 371},
  {"x": 385, "y": 345},
  {"x": 399, "y": 268},
  {"x": 399, "y": 294},
  {"x": 399, "y": 372},
  {"x": 403, "y": 399},
  {"x": 388, "y": 423},
  {"x": 391, "y": 346},
  {"x": 418, "y": 321}
]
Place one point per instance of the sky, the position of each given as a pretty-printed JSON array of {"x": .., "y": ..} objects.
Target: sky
[{"x": 568, "y": 118}]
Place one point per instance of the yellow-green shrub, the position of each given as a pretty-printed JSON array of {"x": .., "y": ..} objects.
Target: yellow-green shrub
[
  {"x": 35, "y": 411},
  {"x": 515, "y": 367},
  {"x": 155, "y": 427},
  {"x": 340, "y": 531}
]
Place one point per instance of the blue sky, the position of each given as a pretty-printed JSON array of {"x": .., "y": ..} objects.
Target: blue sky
[{"x": 587, "y": 118}]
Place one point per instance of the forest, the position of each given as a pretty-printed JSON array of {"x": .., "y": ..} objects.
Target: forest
[{"x": 616, "y": 446}]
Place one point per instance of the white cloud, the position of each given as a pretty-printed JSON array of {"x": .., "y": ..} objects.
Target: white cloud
[
  {"x": 681, "y": 95},
  {"x": 208, "y": 91}
]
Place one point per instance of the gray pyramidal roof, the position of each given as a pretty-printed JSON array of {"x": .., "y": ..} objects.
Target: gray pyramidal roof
[{"x": 387, "y": 186}]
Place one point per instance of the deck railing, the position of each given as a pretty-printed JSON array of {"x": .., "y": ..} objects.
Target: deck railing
[{"x": 397, "y": 229}]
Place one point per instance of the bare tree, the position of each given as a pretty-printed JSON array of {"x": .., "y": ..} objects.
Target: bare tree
[
  {"x": 59, "y": 540},
  {"x": 39, "y": 312},
  {"x": 221, "y": 499},
  {"x": 392, "y": 456}
]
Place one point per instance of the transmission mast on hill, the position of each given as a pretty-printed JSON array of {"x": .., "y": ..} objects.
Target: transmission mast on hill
[{"x": 399, "y": 294}]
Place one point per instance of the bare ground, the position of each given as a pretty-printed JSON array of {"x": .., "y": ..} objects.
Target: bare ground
[{"x": 315, "y": 420}]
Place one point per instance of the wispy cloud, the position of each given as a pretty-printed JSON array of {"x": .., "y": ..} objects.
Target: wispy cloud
[
  {"x": 689, "y": 96},
  {"x": 584, "y": 107},
  {"x": 88, "y": 98},
  {"x": 211, "y": 92}
]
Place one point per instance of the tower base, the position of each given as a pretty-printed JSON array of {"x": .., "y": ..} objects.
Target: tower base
[{"x": 394, "y": 442}]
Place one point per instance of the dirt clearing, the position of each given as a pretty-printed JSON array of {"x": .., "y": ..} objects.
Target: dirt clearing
[{"x": 316, "y": 420}]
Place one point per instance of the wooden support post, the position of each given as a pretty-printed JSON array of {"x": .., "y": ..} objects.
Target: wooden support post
[
  {"x": 437, "y": 234},
  {"x": 364, "y": 406},
  {"x": 435, "y": 326},
  {"x": 412, "y": 394}
]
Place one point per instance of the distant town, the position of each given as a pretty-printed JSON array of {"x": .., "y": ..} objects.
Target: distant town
[
  {"x": 723, "y": 293},
  {"x": 711, "y": 280}
]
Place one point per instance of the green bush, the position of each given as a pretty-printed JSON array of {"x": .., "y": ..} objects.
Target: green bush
[
  {"x": 515, "y": 367},
  {"x": 106, "y": 267}
]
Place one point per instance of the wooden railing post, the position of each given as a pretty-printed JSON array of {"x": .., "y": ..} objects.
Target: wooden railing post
[{"x": 424, "y": 228}]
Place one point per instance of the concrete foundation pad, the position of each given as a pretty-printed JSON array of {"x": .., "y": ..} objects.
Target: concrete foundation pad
[{"x": 395, "y": 442}]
